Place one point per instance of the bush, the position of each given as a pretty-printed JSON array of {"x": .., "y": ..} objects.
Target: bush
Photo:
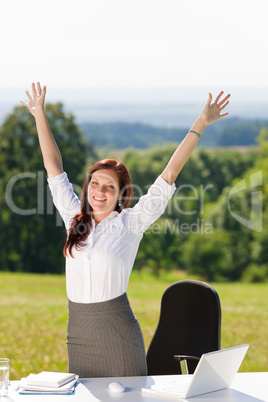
[
  {"x": 208, "y": 255},
  {"x": 256, "y": 273}
]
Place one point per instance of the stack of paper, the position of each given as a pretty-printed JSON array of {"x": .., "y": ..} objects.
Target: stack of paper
[{"x": 48, "y": 382}]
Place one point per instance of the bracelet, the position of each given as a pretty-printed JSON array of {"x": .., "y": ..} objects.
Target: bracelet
[{"x": 194, "y": 132}]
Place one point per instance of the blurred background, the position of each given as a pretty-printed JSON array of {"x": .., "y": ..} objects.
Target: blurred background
[{"x": 126, "y": 79}]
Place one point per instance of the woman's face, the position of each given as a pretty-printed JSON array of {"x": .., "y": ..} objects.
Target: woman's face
[{"x": 103, "y": 193}]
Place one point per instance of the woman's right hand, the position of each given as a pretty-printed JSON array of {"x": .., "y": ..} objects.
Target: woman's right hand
[{"x": 36, "y": 100}]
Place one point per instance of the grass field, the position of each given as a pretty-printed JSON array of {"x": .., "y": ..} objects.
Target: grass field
[{"x": 33, "y": 319}]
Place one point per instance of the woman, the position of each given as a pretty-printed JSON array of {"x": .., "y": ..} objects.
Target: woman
[{"x": 103, "y": 235}]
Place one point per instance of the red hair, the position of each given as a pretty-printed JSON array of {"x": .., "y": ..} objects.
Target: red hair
[{"x": 82, "y": 222}]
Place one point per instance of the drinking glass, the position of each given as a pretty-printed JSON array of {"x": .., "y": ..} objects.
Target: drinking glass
[{"x": 4, "y": 376}]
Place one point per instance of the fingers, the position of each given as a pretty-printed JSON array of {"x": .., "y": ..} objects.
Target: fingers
[
  {"x": 224, "y": 114},
  {"x": 209, "y": 98},
  {"x": 221, "y": 104},
  {"x": 224, "y": 101},
  {"x": 39, "y": 91},
  {"x": 24, "y": 103},
  {"x": 218, "y": 97},
  {"x": 28, "y": 95},
  {"x": 34, "y": 90},
  {"x": 224, "y": 105}
]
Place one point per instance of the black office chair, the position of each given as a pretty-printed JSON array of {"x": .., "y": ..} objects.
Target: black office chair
[{"x": 189, "y": 325}]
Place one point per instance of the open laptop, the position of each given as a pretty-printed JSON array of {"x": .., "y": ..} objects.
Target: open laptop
[{"x": 215, "y": 371}]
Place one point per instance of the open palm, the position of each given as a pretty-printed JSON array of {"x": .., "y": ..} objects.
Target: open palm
[
  {"x": 212, "y": 111},
  {"x": 36, "y": 100}
]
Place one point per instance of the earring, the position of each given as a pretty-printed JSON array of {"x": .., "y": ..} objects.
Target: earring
[{"x": 120, "y": 202}]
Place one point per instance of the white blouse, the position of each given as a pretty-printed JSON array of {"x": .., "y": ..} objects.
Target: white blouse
[{"x": 100, "y": 270}]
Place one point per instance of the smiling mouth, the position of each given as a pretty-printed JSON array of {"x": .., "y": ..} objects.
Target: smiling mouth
[{"x": 99, "y": 199}]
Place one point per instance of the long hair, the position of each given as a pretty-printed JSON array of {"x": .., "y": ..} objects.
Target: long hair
[{"x": 81, "y": 224}]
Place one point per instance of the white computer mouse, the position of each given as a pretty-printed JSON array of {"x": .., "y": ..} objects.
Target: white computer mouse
[{"x": 116, "y": 387}]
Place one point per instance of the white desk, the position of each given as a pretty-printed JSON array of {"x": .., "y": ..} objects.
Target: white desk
[{"x": 247, "y": 387}]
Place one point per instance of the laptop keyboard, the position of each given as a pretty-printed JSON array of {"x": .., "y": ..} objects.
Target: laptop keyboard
[{"x": 176, "y": 388}]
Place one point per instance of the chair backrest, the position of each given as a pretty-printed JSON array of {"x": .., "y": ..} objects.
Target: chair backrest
[{"x": 189, "y": 324}]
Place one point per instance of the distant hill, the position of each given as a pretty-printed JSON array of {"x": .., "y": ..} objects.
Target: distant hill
[
  {"x": 169, "y": 107},
  {"x": 120, "y": 135}
]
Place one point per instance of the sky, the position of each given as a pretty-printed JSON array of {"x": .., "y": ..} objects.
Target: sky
[{"x": 134, "y": 43}]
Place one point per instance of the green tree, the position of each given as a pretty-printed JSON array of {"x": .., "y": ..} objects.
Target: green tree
[
  {"x": 31, "y": 232},
  {"x": 240, "y": 235},
  {"x": 202, "y": 194},
  {"x": 246, "y": 223},
  {"x": 259, "y": 244},
  {"x": 160, "y": 248},
  {"x": 208, "y": 255}
]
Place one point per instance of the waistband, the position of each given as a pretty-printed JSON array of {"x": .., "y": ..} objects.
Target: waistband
[{"x": 105, "y": 307}]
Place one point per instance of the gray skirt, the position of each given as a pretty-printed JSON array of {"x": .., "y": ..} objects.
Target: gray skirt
[{"x": 105, "y": 340}]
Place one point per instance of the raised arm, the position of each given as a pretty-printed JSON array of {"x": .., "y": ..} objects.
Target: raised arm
[
  {"x": 210, "y": 113},
  {"x": 50, "y": 151}
]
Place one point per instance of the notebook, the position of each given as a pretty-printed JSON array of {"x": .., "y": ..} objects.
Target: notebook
[
  {"x": 215, "y": 371},
  {"x": 50, "y": 379}
]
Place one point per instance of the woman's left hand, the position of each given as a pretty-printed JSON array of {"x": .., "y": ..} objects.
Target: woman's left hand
[{"x": 212, "y": 111}]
